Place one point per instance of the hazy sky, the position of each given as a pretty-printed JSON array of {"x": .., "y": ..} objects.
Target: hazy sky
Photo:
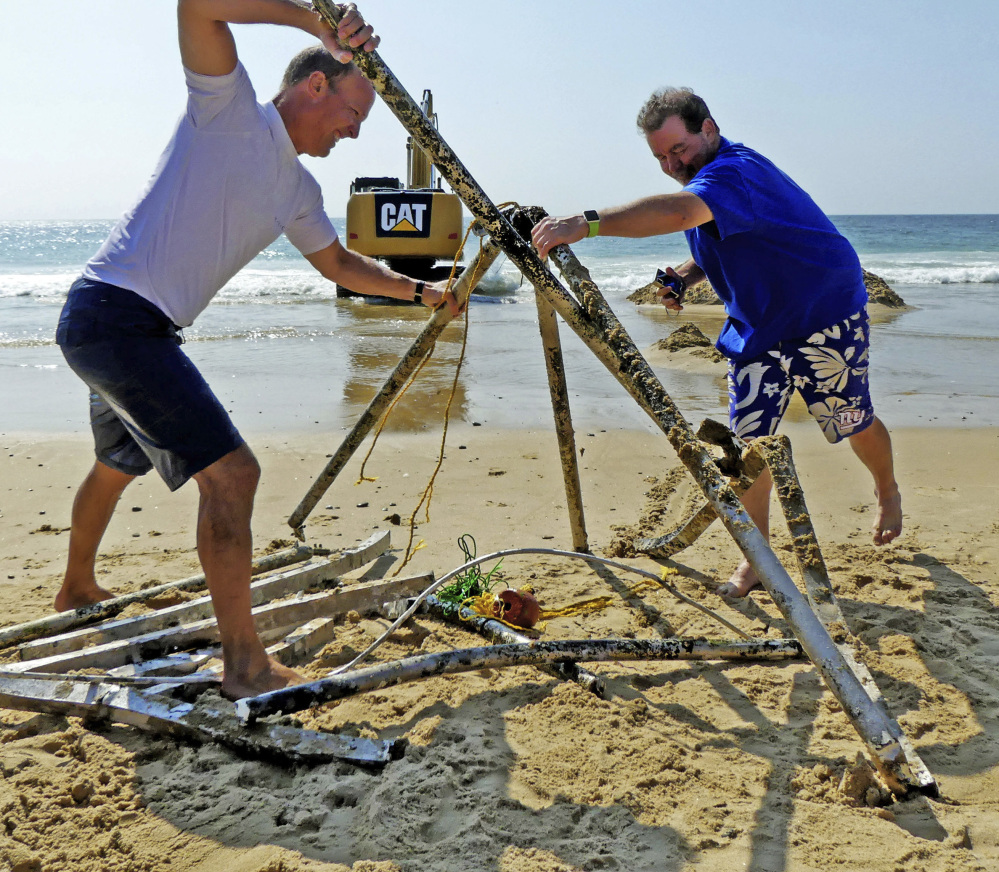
[{"x": 873, "y": 107}]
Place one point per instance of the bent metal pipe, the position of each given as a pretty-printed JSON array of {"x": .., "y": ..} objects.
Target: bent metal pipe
[
  {"x": 422, "y": 346},
  {"x": 536, "y": 653}
]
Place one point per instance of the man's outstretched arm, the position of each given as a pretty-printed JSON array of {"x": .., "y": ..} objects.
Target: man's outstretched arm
[
  {"x": 651, "y": 216},
  {"x": 207, "y": 46},
  {"x": 369, "y": 276}
]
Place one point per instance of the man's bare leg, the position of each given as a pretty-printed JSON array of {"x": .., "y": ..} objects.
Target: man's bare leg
[
  {"x": 756, "y": 501},
  {"x": 873, "y": 446},
  {"x": 92, "y": 510},
  {"x": 227, "y": 488}
]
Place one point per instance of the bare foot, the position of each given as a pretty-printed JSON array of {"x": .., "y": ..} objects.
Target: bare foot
[
  {"x": 79, "y": 595},
  {"x": 888, "y": 518},
  {"x": 743, "y": 580},
  {"x": 274, "y": 676}
]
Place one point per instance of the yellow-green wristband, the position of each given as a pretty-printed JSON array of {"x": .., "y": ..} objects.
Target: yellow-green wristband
[{"x": 593, "y": 221}]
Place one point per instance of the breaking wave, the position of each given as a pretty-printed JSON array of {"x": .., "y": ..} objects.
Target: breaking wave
[{"x": 945, "y": 274}]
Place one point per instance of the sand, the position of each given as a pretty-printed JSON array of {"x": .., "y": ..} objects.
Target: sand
[{"x": 707, "y": 766}]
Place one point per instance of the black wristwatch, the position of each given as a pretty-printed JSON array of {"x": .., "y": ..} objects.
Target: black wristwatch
[{"x": 418, "y": 293}]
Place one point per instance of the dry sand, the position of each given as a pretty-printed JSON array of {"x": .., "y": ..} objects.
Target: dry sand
[{"x": 707, "y": 766}]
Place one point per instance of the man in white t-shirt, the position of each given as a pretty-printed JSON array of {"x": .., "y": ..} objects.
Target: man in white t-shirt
[{"x": 228, "y": 184}]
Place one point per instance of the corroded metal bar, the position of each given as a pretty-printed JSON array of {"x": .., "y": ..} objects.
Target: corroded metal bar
[
  {"x": 775, "y": 451},
  {"x": 294, "y": 647},
  {"x": 496, "y": 631},
  {"x": 563, "y": 421},
  {"x": 406, "y": 109},
  {"x": 183, "y": 667},
  {"x": 178, "y": 663},
  {"x": 871, "y": 721},
  {"x": 126, "y": 705},
  {"x": 688, "y": 531},
  {"x": 321, "y": 575},
  {"x": 148, "y": 683},
  {"x": 290, "y": 651},
  {"x": 538, "y": 653},
  {"x": 599, "y": 328},
  {"x": 422, "y": 346},
  {"x": 271, "y": 621},
  {"x": 300, "y": 643},
  {"x": 496, "y": 555},
  {"x": 62, "y": 621},
  {"x": 601, "y": 331}
]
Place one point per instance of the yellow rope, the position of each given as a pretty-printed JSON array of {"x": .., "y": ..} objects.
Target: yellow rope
[
  {"x": 580, "y": 608},
  {"x": 385, "y": 417},
  {"x": 428, "y": 491},
  {"x": 483, "y": 604},
  {"x": 423, "y": 363}
]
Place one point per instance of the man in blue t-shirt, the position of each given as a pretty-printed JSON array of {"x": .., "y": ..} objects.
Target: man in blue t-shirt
[{"x": 792, "y": 287}]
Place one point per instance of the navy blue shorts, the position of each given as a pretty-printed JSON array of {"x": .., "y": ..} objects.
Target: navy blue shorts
[
  {"x": 149, "y": 405},
  {"x": 828, "y": 369}
]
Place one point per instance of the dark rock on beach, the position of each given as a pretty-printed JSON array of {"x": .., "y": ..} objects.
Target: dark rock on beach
[
  {"x": 878, "y": 291},
  {"x": 702, "y": 292},
  {"x": 689, "y": 336}
]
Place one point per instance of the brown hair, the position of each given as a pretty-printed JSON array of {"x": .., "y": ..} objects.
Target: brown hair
[{"x": 667, "y": 102}]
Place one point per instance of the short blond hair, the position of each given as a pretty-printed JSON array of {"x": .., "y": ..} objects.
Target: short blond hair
[{"x": 308, "y": 61}]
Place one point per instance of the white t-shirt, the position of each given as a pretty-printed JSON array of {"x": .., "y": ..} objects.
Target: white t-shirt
[{"x": 228, "y": 185}]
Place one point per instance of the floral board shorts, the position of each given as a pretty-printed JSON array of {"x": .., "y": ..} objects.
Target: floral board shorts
[{"x": 828, "y": 369}]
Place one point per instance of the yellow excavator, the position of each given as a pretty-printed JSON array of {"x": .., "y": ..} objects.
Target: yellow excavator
[{"x": 415, "y": 229}]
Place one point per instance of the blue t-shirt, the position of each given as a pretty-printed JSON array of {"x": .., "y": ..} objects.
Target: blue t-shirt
[{"x": 776, "y": 261}]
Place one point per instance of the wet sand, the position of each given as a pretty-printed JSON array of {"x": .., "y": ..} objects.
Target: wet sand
[{"x": 313, "y": 367}]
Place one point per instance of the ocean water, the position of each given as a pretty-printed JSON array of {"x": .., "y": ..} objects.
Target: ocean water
[{"x": 285, "y": 355}]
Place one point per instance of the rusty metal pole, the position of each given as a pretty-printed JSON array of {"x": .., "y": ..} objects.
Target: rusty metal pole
[
  {"x": 601, "y": 331},
  {"x": 869, "y": 715},
  {"x": 421, "y": 347},
  {"x": 775, "y": 451},
  {"x": 60, "y": 622},
  {"x": 497, "y": 632},
  {"x": 690, "y": 528},
  {"x": 536, "y": 653},
  {"x": 563, "y": 421},
  {"x": 110, "y": 701}
]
